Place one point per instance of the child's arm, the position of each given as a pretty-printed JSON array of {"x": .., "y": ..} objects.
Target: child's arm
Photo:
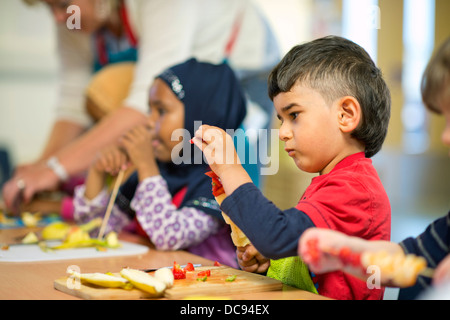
[
  {"x": 169, "y": 228},
  {"x": 86, "y": 210},
  {"x": 273, "y": 232},
  {"x": 334, "y": 240}
]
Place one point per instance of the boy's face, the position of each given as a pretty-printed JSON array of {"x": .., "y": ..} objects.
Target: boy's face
[
  {"x": 309, "y": 128},
  {"x": 166, "y": 115}
]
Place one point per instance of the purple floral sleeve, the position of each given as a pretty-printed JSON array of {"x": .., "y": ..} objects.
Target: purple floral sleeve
[
  {"x": 169, "y": 228},
  {"x": 85, "y": 210}
]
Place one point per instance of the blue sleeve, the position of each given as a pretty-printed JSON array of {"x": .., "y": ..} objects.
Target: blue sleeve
[
  {"x": 433, "y": 244},
  {"x": 273, "y": 232}
]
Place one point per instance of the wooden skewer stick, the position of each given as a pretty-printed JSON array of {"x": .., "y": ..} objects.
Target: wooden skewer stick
[
  {"x": 427, "y": 272},
  {"x": 111, "y": 203}
]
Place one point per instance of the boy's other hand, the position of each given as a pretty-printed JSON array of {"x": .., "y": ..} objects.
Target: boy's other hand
[{"x": 251, "y": 260}]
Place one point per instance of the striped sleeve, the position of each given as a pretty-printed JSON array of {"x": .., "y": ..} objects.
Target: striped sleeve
[{"x": 433, "y": 244}]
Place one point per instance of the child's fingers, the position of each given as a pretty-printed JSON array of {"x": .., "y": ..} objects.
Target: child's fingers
[
  {"x": 442, "y": 272},
  {"x": 113, "y": 160},
  {"x": 249, "y": 253},
  {"x": 207, "y": 134}
]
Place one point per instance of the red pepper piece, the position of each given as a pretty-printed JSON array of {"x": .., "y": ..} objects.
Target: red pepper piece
[
  {"x": 216, "y": 264},
  {"x": 204, "y": 273},
  {"x": 189, "y": 267},
  {"x": 178, "y": 273},
  {"x": 349, "y": 258},
  {"x": 313, "y": 250},
  {"x": 217, "y": 188}
]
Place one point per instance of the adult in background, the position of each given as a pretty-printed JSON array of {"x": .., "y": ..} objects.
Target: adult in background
[{"x": 154, "y": 34}]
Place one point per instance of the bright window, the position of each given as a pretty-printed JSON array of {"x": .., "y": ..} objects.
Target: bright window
[{"x": 418, "y": 43}]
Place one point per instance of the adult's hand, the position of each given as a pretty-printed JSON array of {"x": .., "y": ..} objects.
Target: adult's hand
[{"x": 25, "y": 183}]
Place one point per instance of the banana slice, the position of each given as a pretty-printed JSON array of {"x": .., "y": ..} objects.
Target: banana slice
[
  {"x": 102, "y": 280},
  {"x": 165, "y": 275},
  {"x": 144, "y": 281}
]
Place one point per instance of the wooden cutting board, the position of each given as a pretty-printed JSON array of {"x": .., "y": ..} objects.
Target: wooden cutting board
[{"x": 215, "y": 285}]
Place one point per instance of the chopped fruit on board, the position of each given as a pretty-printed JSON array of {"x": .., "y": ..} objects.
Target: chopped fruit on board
[
  {"x": 189, "y": 267},
  {"x": 178, "y": 272}
]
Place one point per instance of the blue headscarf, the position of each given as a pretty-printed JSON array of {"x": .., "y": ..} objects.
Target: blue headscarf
[{"x": 212, "y": 95}]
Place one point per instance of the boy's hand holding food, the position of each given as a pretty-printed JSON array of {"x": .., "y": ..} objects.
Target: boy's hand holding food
[
  {"x": 218, "y": 149},
  {"x": 251, "y": 260}
]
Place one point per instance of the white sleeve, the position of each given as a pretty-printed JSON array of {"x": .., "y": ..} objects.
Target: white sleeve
[
  {"x": 76, "y": 63},
  {"x": 166, "y": 30}
]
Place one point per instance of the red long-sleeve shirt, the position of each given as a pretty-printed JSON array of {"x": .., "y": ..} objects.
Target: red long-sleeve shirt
[{"x": 350, "y": 199}]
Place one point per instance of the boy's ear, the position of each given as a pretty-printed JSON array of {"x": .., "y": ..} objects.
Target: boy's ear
[{"x": 349, "y": 113}]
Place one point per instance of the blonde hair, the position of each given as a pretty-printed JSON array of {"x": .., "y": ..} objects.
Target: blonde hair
[{"x": 436, "y": 78}]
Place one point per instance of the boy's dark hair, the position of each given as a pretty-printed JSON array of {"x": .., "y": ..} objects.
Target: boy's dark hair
[
  {"x": 436, "y": 77},
  {"x": 337, "y": 67}
]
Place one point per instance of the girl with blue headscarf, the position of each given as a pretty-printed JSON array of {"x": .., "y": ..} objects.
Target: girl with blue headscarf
[{"x": 170, "y": 199}]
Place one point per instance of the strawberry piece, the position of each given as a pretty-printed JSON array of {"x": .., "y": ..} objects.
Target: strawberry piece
[
  {"x": 313, "y": 250},
  {"x": 205, "y": 273},
  {"x": 178, "y": 273},
  {"x": 189, "y": 267}
]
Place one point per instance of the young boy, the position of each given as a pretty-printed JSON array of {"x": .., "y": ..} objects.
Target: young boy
[
  {"x": 434, "y": 243},
  {"x": 334, "y": 108}
]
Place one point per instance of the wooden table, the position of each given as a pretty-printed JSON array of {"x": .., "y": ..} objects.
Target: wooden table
[{"x": 34, "y": 281}]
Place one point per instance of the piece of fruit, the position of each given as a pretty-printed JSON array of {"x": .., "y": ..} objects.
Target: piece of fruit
[
  {"x": 102, "y": 280},
  {"x": 189, "y": 267},
  {"x": 55, "y": 231},
  {"x": 112, "y": 240},
  {"x": 30, "y": 238},
  {"x": 31, "y": 219},
  {"x": 203, "y": 279},
  {"x": 203, "y": 273},
  {"x": 144, "y": 281},
  {"x": 76, "y": 234},
  {"x": 165, "y": 275},
  {"x": 230, "y": 278},
  {"x": 60, "y": 230},
  {"x": 91, "y": 225},
  {"x": 177, "y": 272}
]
